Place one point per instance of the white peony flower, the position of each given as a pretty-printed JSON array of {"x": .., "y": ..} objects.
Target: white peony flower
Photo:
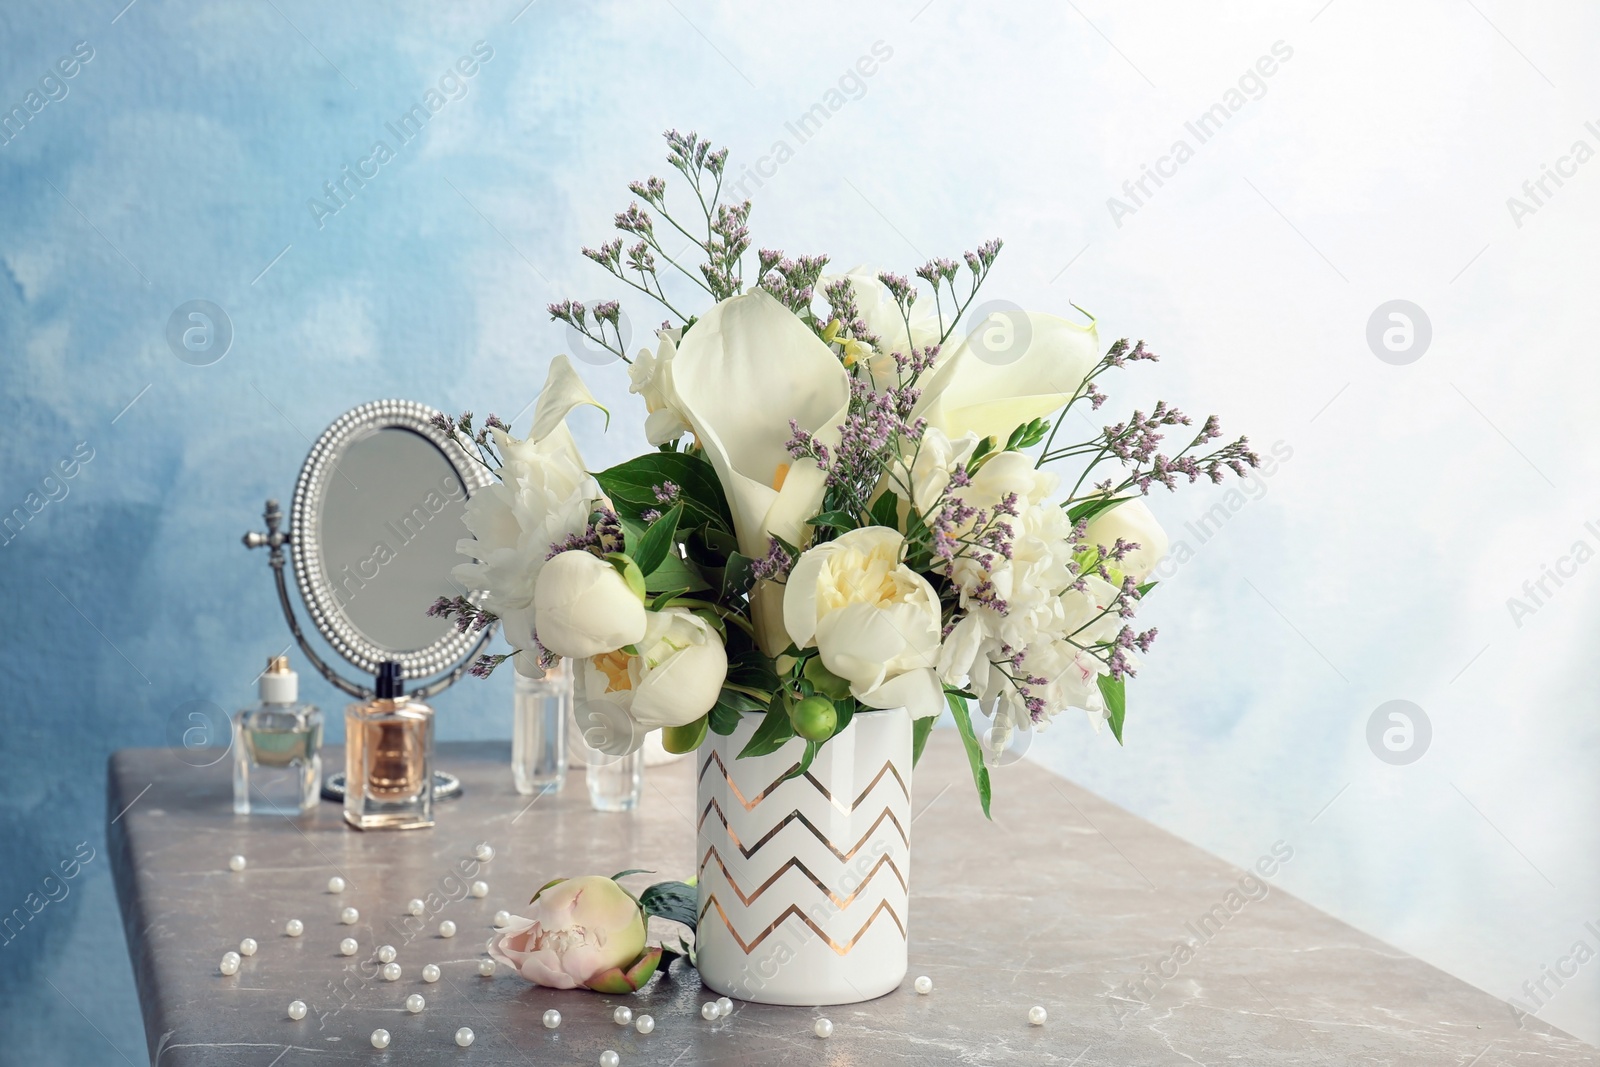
[
  {"x": 874, "y": 620},
  {"x": 1132, "y": 521},
  {"x": 650, "y": 376},
  {"x": 544, "y": 496},
  {"x": 583, "y": 606},
  {"x": 675, "y": 678},
  {"x": 933, "y": 463}
]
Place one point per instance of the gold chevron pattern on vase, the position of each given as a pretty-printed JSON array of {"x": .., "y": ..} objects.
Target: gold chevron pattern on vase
[
  {"x": 794, "y": 864},
  {"x": 793, "y": 912},
  {"x": 800, "y": 817},
  {"x": 750, "y": 805}
]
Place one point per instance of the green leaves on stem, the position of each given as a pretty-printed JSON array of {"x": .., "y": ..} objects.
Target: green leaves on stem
[{"x": 980, "y": 773}]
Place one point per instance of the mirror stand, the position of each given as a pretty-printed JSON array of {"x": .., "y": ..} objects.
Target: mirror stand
[{"x": 274, "y": 540}]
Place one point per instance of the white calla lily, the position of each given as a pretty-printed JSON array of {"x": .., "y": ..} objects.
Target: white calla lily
[
  {"x": 1010, "y": 368},
  {"x": 741, "y": 373},
  {"x": 1133, "y": 522}
]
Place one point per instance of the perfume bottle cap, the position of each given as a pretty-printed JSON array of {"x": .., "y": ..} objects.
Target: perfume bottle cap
[
  {"x": 390, "y": 684},
  {"x": 279, "y": 684}
]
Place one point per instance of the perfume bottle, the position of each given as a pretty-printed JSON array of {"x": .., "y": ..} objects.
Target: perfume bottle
[
  {"x": 388, "y": 758},
  {"x": 277, "y": 766},
  {"x": 539, "y": 730}
]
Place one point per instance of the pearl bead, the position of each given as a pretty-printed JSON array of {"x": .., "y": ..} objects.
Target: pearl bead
[
  {"x": 294, "y": 927},
  {"x": 622, "y": 1016},
  {"x": 391, "y": 972},
  {"x": 1037, "y": 1015},
  {"x": 923, "y": 985},
  {"x": 297, "y": 1010},
  {"x": 486, "y": 967},
  {"x": 822, "y": 1028},
  {"x": 480, "y": 889},
  {"x": 644, "y": 1024},
  {"x": 386, "y": 954},
  {"x": 724, "y": 1007},
  {"x": 348, "y": 947},
  {"x": 430, "y": 973},
  {"x": 484, "y": 852},
  {"x": 710, "y": 1012},
  {"x": 447, "y": 929},
  {"x": 502, "y": 918},
  {"x": 236, "y": 863},
  {"x": 230, "y": 963},
  {"x": 349, "y": 916},
  {"x": 248, "y": 947},
  {"x": 552, "y": 1019},
  {"x": 415, "y": 906},
  {"x": 336, "y": 884},
  {"x": 609, "y": 1059},
  {"x": 380, "y": 1038},
  {"x": 465, "y": 1036},
  {"x": 415, "y": 1003}
]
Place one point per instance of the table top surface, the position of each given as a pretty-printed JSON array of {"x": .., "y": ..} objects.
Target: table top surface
[{"x": 1143, "y": 949}]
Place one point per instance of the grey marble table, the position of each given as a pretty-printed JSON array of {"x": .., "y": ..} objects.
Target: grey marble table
[{"x": 1144, "y": 950}]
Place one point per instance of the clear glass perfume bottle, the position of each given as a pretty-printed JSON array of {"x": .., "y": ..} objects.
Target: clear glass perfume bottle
[
  {"x": 616, "y": 783},
  {"x": 388, "y": 758},
  {"x": 277, "y": 766},
  {"x": 539, "y": 730}
]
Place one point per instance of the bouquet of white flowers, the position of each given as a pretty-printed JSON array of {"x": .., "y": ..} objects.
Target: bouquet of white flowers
[{"x": 853, "y": 503}]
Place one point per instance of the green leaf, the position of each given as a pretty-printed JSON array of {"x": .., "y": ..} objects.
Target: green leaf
[
  {"x": 730, "y": 706},
  {"x": 886, "y": 511},
  {"x": 632, "y": 870},
  {"x": 980, "y": 773},
  {"x": 1146, "y": 587},
  {"x": 659, "y": 540},
  {"x": 920, "y": 730},
  {"x": 665, "y": 598},
  {"x": 1116, "y": 694},
  {"x": 838, "y": 520},
  {"x": 752, "y": 669},
  {"x": 812, "y": 747},
  {"x": 671, "y": 900},
  {"x": 674, "y": 572},
  {"x": 631, "y": 485},
  {"x": 1088, "y": 509},
  {"x": 774, "y": 731},
  {"x": 843, "y": 711},
  {"x": 735, "y": 577}
]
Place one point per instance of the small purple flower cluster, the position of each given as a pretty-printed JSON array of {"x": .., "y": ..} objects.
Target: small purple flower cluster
[
  {"x": 775, "y": 565},
  {"x": 468, "y": 616},
  {"x": 601, "y": 537},
  {"x": 792, "y": 282}
]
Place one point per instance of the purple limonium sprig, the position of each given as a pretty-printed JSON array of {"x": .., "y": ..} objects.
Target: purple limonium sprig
[
  {"x": 602, "y": 536},
  {"x": 467, "y": 615},
  {"x": 775, "y": 565}
]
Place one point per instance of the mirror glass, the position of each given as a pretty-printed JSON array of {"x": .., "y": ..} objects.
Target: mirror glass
[{"x": 390, "y": 517}]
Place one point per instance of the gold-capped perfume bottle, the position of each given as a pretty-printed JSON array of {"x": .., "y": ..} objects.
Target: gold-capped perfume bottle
[
  {"x": 388, "y": 761},
  {"x": 277, "y": 769}
]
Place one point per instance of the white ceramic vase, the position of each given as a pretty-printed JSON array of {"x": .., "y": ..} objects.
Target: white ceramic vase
[{"x": 803, "y": 885}]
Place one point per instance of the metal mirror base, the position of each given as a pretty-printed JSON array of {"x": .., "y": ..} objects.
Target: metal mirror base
[{"x": 445, "y": 786}]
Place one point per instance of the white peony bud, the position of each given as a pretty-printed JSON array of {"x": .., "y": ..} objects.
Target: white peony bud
[{"x": 584, "y": 607}]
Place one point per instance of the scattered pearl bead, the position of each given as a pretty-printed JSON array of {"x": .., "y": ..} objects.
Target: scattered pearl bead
[
  {"x": 724, "y": 1007},
  {"x": 430, "y": 973},
  {"x": 822, "y": 1028},
  {"x": 502, "y": 918},
  {"x": 415, "y": 1003},
  {"x": 236, "y": 863},
  {"x": 1037, "y": 1015},
  {"x": 415, "y": 906},
  {"x": 297, "y": 1010},
  {"x": 622, "y": 1016},
  {"x": 248, "y": 947},
  {"x": 391, "y": 972},
  {"x": 609, "y": 1059},
  {"x": 230, "y": 963},
  {"x": 294, "y": 927},
  {"x": 336, "y": 884},
  {"x": 710, "y": 1012},
  {"x": 447, "y": 929},
  {"x": 386, "y": 954},
  {"x": 552, "y": 1019},
  {"x": 480, "y": 889},
  {"x": 923, "y": 985},
  {"x": 465, "y": 1036},
  {"x": 484, "y": 852},
  {"x": 348, "y": 947},
  {"x": 486, "y": 967},
  {"x": 644, "y": 1024},
  {"x": 380, "y": 1038},
  {"x": 349, "y": 916}
]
